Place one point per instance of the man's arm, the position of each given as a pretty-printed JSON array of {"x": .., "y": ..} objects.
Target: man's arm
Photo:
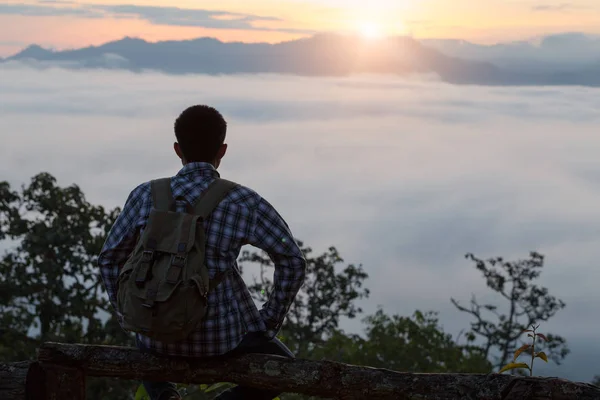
[
  {"x": 272, "y": 234},
  {"x": 120, "y": 243}
]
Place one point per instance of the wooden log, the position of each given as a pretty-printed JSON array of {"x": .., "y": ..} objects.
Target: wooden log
[
  {"x": 27, "y": 380},
  {"x": 13, "y": 378},
  {"x": 318, "y": 378},
  {"x": 64, "y": 383}
]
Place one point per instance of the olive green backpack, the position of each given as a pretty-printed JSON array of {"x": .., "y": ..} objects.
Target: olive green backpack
[{"x": 163, "y": 286}]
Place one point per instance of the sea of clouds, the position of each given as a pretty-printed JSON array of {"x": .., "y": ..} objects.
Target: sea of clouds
[{"x": 402, "y": 175}]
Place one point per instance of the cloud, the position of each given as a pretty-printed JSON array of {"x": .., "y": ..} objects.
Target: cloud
[
  {"x": 196, "y": 17},
  {"x": 402, "y": 175},
  {"x": 34, "y": 10},
  {"x": 154, "y": 14},
  {"x": 563, "y": 7}
]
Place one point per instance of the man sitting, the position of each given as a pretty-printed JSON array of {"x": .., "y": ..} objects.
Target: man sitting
[{"x": 231, "y": 323}]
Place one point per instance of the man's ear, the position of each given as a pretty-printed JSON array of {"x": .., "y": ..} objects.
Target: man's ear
[
  {"x": 220, "y": 155},
  {"x": 178, "y": 150},
  {"x": 222, "y": 151}
]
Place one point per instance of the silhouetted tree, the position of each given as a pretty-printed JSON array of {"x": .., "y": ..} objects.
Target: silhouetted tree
[
  {"x": 410, "y": 344},
  {"x": 49, "y": 283},
  {"x": 528, "y": 304}
]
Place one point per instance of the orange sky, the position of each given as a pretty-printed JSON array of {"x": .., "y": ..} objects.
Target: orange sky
[{"x": 67, "y": 25}]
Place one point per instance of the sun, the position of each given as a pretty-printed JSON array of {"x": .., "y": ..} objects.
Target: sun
[{"x": 371, "y": 30}]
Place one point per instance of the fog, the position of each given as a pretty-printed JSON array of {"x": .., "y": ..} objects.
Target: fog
[{"x": 404, "y": 176}]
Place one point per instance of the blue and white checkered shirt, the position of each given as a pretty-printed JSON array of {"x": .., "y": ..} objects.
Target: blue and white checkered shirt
[{"x": 243, "y": 217}]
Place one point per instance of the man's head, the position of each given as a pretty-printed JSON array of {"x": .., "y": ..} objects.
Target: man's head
[{"x": 200, "y": 131}]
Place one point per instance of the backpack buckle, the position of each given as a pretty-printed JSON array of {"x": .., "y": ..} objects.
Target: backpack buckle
[
  {"x": 178, "y": 261},
  {"x": 147, "y": 255},
  {"x": 174, "y": 272}
]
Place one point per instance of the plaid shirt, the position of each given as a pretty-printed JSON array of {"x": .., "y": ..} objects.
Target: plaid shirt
[{"x": 243, "y": 217}]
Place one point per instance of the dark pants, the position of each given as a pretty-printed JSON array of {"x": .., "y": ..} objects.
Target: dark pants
[{"x": 252, "y": 343}]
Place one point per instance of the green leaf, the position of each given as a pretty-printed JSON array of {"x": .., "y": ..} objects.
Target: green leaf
[
  {"x": 542, "y": 355},
  {"x": 203, "y": 387},
  {"x": 216, "y": 386},
  {"x": 141, "y": 393},
  {"x": 513, "y": 366},
  {"x": 520, "y": 350}
]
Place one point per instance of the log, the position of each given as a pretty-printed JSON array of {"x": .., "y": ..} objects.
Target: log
[
  {"x": 317, "y": 378},
  {"x": 13, "y": 377},
  {"x": 21, "y": 381},
  {"x": 64, "y": 383}
]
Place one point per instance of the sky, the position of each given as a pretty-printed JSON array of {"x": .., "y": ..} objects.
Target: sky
[
  {"x": 64, "y": 24},
  {"x": 402, "y": 175}
]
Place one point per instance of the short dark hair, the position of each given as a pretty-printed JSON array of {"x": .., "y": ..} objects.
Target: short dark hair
[{"x": 200, "y": 131}]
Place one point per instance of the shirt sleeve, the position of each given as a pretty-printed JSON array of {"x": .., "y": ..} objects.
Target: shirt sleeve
[
  {"x": 120, "y": 243},
  {"x": 272, "y": 234}
]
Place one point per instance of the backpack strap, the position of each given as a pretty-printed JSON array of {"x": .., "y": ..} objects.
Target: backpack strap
[
  {"x": 162, "y": 196},
  {"x": 218, "y": 278},
  {"x": 212, "y": 196},
  {"x": 205, "y": 204}
]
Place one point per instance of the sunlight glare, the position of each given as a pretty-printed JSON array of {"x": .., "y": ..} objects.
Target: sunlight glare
[{"x": 371, "y": 30}]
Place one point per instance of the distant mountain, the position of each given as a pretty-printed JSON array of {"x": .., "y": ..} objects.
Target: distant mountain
[
  {"x": 320, "y": 55},
  {"x": 566, "y": 52},
  {"x": 324, "y": 54},
  {"x": 35, "y": 52}
]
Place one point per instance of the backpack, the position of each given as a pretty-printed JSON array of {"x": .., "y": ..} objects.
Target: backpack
[{"x": 164, "y": 284}]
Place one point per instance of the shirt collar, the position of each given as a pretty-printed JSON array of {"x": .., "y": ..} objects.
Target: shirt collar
[{"x": 199, "y": 169}]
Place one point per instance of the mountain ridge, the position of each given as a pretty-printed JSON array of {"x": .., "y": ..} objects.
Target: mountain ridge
[
  {"x": 327, "y": 54},
  {"x": 558, "y": 52}
]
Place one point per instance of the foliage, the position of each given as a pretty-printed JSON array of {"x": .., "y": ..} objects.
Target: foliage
[
  {"x": 528, "y": 303},
  {"x": 50, "y": 290},
  {"x": 329, "y": 293},
  {"x": 49, "y": 285},
  {"x": 532, "y": 333},
  {"x": 411, "y": 344}
]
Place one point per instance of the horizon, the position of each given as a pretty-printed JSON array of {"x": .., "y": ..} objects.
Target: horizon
[
  {"x": 560, "y": 59},
  {"x": 531, "y": 40},
  {"x": 68, "y": 25}
]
